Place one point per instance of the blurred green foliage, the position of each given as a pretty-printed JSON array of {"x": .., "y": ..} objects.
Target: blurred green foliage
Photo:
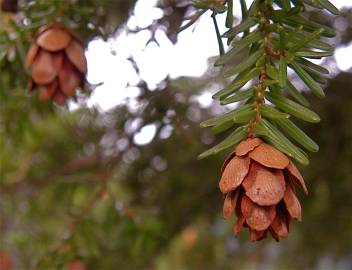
[{"x": 75, "y": 185}]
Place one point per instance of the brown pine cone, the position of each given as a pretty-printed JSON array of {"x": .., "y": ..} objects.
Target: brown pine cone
[
  {"x": 258, "y": 185},
  {"x": 57, "y": 64}
]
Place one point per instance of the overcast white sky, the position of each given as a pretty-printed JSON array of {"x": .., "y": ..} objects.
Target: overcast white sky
[{"x": 187, "y": 58}]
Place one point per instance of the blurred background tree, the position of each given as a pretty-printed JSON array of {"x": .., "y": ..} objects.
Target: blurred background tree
[{"x": 76, "y": 187}]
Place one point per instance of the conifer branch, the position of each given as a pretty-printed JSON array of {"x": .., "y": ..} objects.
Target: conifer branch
[{"x": 263, "y": 46}]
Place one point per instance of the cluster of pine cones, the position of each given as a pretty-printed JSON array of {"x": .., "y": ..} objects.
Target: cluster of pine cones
[
  {"x": 258, "y": 186},
  {"x": 258, "y": 181},
  {"x": 57, "y": 64}
]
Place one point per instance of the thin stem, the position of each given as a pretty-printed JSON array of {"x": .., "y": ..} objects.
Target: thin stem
[{"x": 260, "y": 87}]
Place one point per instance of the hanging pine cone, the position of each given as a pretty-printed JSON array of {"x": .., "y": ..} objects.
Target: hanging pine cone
[
  {"x": 57, "y": 64},
  {"x": 258, "y": 183}
]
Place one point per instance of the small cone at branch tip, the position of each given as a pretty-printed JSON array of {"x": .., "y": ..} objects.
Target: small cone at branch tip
[
  {"x": 57, "y": 56},
  {"x": 258, "y": 186}
]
